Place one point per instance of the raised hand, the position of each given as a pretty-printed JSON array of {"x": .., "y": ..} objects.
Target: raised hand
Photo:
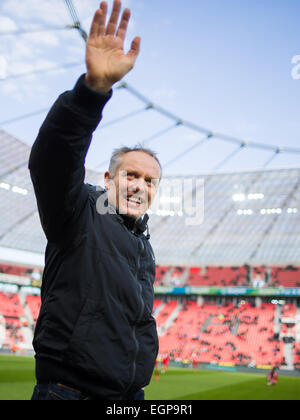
[{"x": 105, "y": 58}]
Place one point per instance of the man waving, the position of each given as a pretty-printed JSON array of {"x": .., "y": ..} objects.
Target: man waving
[{"x": 95, "y": 338}]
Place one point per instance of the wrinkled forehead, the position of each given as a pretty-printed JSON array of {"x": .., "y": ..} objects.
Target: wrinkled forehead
[{"x": 142, "y": 164}]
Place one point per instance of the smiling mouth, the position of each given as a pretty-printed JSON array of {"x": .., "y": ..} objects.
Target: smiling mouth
[{"x": 135, "y": 201}]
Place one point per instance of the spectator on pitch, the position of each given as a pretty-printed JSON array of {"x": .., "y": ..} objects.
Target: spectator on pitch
[
  {"x": 273, "y": 377},
  {"x": 96, "y": 338},
  {"x": 195, "y": 364},
  {"x": 156, "y": 370},
  {"x": 165, "y": 363}
]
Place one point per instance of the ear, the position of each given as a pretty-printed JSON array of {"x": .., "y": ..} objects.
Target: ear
[{"x": 107, "y": 180}]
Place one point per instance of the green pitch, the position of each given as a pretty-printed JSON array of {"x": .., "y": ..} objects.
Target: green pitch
[
  {"x": 17, "y": 382},
  {"x": 207, "y": 385}
]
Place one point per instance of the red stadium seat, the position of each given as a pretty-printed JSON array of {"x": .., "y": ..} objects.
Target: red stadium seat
[{"x": 218, "y": 341}]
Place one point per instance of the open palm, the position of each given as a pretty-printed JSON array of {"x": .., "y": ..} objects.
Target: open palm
[{"x": 106, "y": 60}]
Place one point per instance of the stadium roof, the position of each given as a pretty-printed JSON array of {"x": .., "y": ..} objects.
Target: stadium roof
[{"x": 250, "y": 217}]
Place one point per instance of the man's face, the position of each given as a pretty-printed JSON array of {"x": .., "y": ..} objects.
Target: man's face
[{"x": 135, "y": 184}]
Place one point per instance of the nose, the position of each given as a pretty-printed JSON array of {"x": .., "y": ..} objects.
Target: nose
[{"x": 138, "y": 185}]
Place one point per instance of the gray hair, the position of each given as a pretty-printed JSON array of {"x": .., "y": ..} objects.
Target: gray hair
[{"x": 116, "y": 158}]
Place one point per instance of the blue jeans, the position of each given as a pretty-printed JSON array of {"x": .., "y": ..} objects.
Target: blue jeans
[{"x": 57, "y": 392}]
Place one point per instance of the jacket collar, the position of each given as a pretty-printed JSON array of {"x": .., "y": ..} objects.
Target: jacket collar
[{"x": 136, "y": 226}]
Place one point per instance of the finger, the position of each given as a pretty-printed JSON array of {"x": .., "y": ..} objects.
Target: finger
[
  {"x": 98, "y": 24},
  {"x": 124, "y": 24},
  {"x": 112, "y": 24},
  {"x": 94, "y": 26},
  {"x": 103, "y": 8},
  {"x": 135, "y": 48}
]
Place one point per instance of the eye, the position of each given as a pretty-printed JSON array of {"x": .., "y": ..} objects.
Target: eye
[{"x": 152, "y": 183}]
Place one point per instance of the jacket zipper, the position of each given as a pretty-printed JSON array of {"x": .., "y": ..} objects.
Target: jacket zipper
[{"x": 134, "y": 328}]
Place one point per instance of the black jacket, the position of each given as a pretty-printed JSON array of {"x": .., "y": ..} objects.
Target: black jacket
[{"x": 95, "y": 331}]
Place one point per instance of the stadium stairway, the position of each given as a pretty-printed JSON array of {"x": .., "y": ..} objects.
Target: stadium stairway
[
  {"x": 289, "y": 356},
  {"x": 235, "y": 326},
  {"x": 158, "y": 309},
  {"x": 277, "y": 323},
  {"x": 2, "y": 331},
  {"x": 27, "y": 311},
  {"x": 27, "y": 334},
  {"x": 298, "y": 326},
  {"x": 288, "y": 333},
  {"x": 27, "y": 326},
  {"x": 185, "y": 275},
  {"x": 170, "y": 321},
  {"x": 206, "y": 324}
]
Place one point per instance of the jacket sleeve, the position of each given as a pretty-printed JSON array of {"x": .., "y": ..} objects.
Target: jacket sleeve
[{"x": 57, "y": 159}]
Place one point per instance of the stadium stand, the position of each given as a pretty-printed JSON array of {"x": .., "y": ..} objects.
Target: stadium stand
[
  {"x": 208, "y": 333},
  {"x": 14, "y": 338},
  {"x": 11, "y": 306},
  {"x": 286, "y": 276},
  {"x": 297, "y": 355},
  {"x": 34, "y": 304},
  {"x": 224, "y": 334},
  {"x": 251, "y": 217},
  {"x": 217, "y": 276},
  {"x": 247, "y": 236},
  {"x": 246, "y": 276}
]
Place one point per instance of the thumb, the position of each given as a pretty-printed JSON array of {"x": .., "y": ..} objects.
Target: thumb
[{"x": 135, "y": 48}]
